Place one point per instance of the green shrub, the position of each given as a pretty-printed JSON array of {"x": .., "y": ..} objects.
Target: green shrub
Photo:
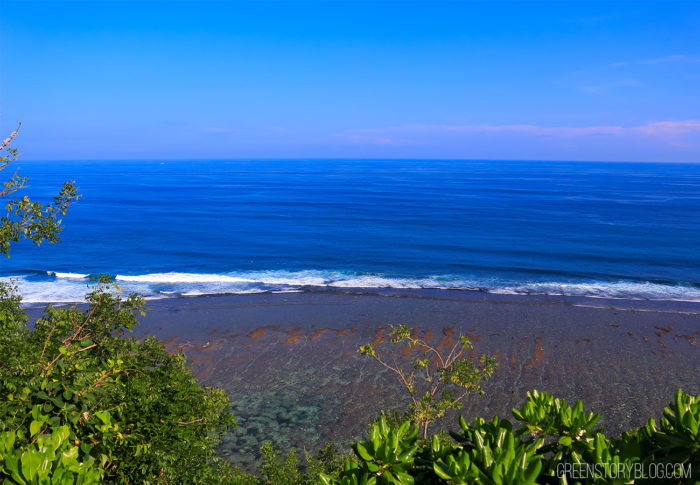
[
  {"x": 491, "y": 453},
  {"x": 128, "y": 405},
  {"x": 556, "y": 443},
  {"x": 278, "y": 470},
  {"x": 387, "y": 458},
  {"x": 48, "y": 459}
]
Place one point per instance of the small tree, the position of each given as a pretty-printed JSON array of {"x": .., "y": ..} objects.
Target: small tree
[
  {"x": 27, "y": 219},
  {"x": 439, "y": 374}
]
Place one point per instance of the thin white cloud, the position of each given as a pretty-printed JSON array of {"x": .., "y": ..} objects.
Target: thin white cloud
[
  {"x": 670, "y": 128},
  {"x": 409, "y": 133}
]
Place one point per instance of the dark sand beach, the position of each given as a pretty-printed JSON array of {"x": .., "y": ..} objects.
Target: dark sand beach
[{"x": 290, "y": 364}]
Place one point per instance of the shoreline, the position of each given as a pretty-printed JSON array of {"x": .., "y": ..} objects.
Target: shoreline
[
  {"x": 460, "y": 294},
  {"x": 289, "y": 361}
]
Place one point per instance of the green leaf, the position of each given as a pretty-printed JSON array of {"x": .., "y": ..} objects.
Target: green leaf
[
  {"x": 326, "y": 480},
  {"x": 362, "y": 452},
  {"x": 440, "y": 471},
  {"x": 34, "y": 427},
  {"x": 30, "y": 461}
]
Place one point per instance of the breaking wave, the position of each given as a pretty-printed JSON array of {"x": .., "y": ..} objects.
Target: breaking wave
[{"x": 64, "y": 287}]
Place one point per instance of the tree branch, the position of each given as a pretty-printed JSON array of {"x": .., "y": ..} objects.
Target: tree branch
[{"x": 8, "y": 140}]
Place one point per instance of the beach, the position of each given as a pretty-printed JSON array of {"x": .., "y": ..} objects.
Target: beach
[{"x": 290, "y": 364}]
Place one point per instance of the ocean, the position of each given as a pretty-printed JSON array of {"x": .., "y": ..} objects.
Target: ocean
[{"x": 180, "y": 228}]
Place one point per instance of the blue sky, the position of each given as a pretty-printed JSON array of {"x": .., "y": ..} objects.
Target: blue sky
[{"x": 497, "y": 80}]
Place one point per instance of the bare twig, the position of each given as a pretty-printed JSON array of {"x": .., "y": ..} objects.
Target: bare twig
[
  {"x": 46, "y": 342},
  {"x": 191, "y": 422},
  {"x": 86, "y": 348}
]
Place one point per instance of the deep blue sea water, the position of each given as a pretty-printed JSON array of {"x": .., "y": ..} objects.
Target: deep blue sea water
[{"x": 169, "y": 228}]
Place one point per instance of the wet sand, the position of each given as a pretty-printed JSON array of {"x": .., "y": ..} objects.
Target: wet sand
[{"x": 290, "y": 363}]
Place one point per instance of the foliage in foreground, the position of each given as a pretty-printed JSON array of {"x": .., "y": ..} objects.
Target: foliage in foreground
[
  {"x": 84, "y": 401},
  {"x": 278, "y": 470},
  {"x": 25, "y": 218},
  {"x": 555, "y": 443}
]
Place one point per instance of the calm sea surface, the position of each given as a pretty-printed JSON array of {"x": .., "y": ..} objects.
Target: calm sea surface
[{"x": 169, "y": 228}]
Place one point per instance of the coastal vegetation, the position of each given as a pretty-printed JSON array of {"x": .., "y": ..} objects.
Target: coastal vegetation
[
  {"x": 546, "y": 441},
  {"x": 77, "y": 387},
  {"x": 550, "y": 442}
]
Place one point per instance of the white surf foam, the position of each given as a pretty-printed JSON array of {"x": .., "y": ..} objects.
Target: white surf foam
[
  {"x": 182, "y": 278},
  {"x": 382, "y": 282},
  {"x": 58, "y": 291},
  {"x": 68, "y": 287},
  {"x": 612, "y": 290},
  {"x": 70, "y": 276}
]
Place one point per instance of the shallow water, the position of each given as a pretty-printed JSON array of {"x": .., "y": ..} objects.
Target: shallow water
[{"x": 291, "y": 367}]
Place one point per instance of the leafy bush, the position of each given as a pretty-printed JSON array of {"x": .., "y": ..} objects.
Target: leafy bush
[
  {"x": 674, "y": 441},
  {"x": 492, "y": 453},
  {"x": 556, "y": 443},
  {"x": 128, "y": 407},
  {"x": 387, "y": 458},
  {"x": 49, "y": 459},
  {"x": 288, "y": 470}
]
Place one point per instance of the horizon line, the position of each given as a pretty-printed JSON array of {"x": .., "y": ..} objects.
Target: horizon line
[{"x": 387, "y": 159}]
